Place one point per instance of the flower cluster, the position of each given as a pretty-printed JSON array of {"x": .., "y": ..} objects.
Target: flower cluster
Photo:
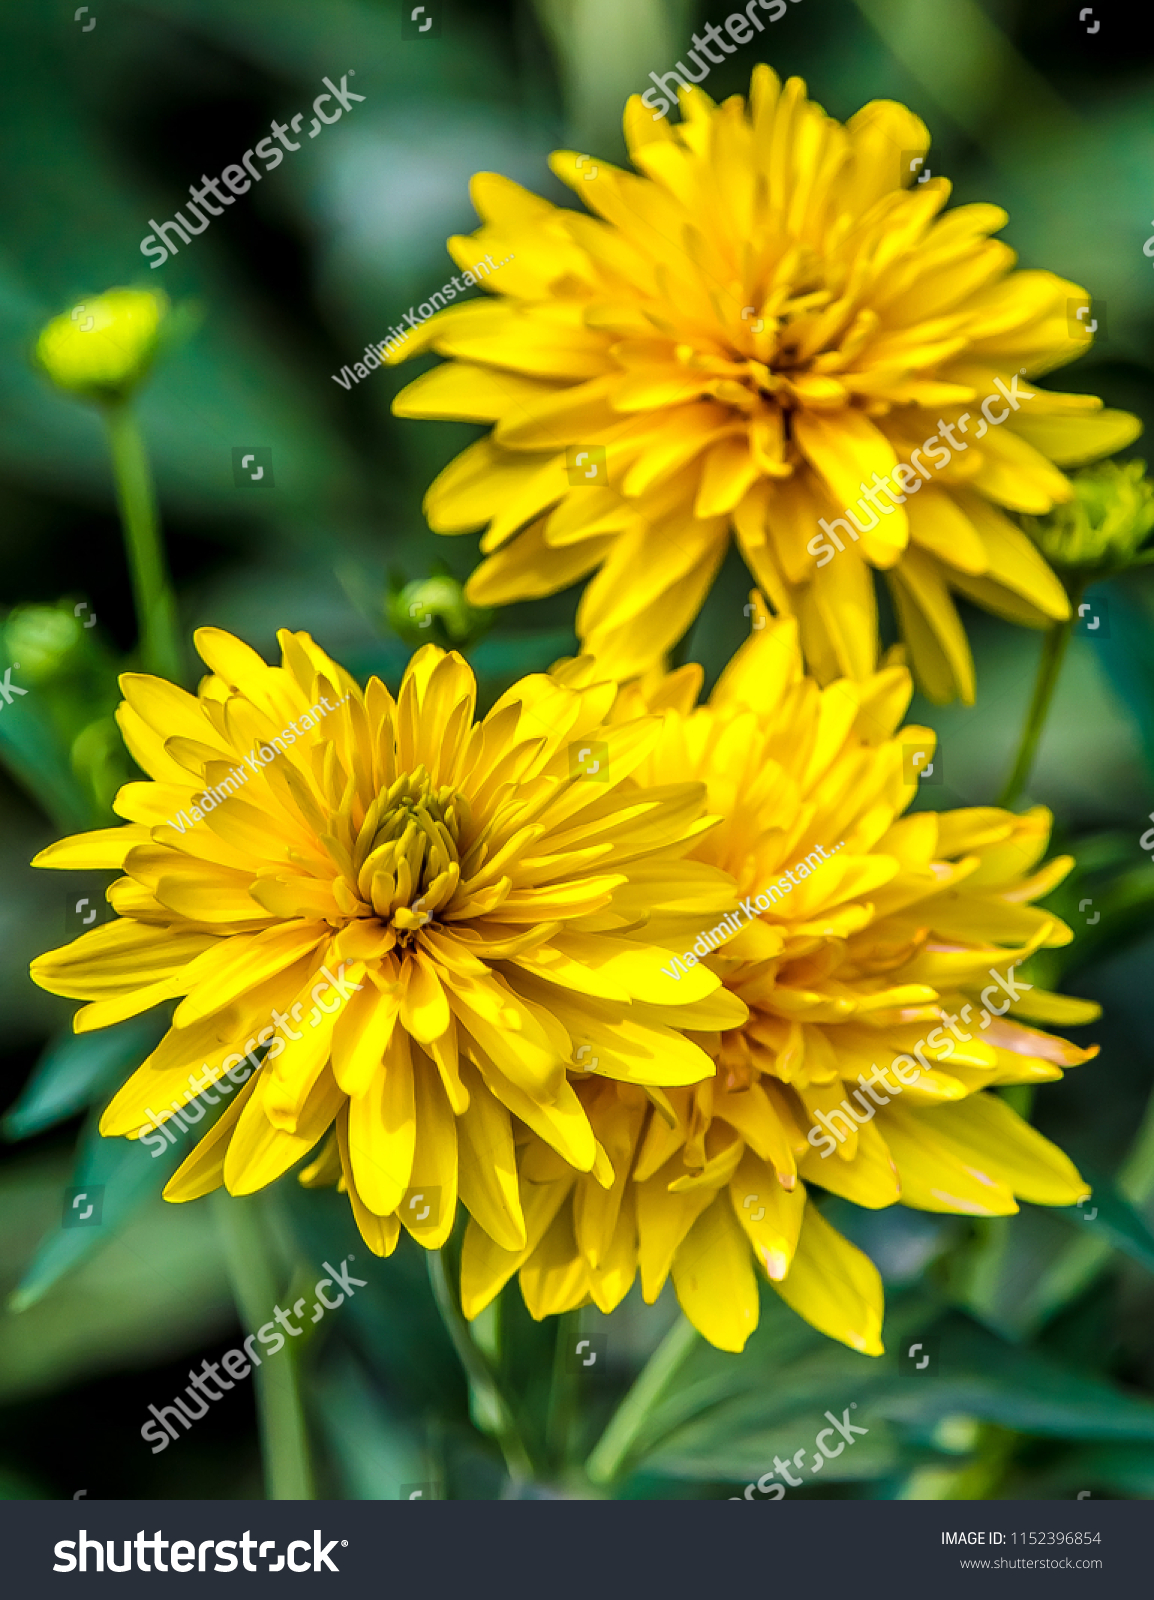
[{"x": 760, "y": 320}]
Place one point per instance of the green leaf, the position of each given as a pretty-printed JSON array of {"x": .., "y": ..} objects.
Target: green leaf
[
  {"x": 722, "y": 1413},
  {"x": 128, "y": 1175},
  {"x": 1025, "y": 1389},
  {"x": 725, "y": 1417},
  {"x": 37, "y": 757},
  {"x": 75, "y": 1070},
  {"x": 1120, "y": 909},
  {"x": 375, "y": 1450},
  {"x": 1118, "y": 1468},
  {"x": 1128, "y": 657},
  {"x": 156, "y": 1290},
  {"x": 1109, "y": 1214},
  {"x": 393, "y": 1321}
]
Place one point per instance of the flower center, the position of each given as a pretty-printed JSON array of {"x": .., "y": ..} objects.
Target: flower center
[
  {"x": 789, "y": 349},
  {"x": 407, "y": 858}
]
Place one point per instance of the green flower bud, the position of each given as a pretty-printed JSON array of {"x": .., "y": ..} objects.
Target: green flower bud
[
  {"x": 43, "y": 639},
  {"x": 103, "y": 347},
  {"x": 414, "y": 610},
  {"x": 1103, "y": 526}
]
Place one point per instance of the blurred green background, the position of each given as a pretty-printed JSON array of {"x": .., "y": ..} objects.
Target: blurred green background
[{"x": 1045, "y": 1385}]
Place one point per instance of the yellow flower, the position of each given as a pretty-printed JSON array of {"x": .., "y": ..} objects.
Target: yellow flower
[
  {"x": 753, "y": 333},
  {"x": 105, "y": 345},
  {"x": 875, "y": 1028},
  {"x": 445, "y": 895}
]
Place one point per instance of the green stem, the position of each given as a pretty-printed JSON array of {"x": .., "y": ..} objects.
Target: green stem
[
  {"x": 283, "y": 1430},
  {"x": 562, "y": 1391},
  {"x": 1050, "y": 665},
  {"x": 608, "y": 1457},
  {"x": 151, "y": 585},
  {"x": 482, "y": 1379}
]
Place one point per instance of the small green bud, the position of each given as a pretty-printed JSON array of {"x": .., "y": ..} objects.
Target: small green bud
[
  {"x": 104, "y": 346},
  {"x": 957, "y": 1434},
  {"x": 43, "y": 639},
  {"x": 1104, "y": 525},
  {"x": 414, "y": 610}
]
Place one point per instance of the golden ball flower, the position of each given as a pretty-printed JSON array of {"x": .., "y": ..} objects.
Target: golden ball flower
[
  {"x": 763, "y": 332},
  {"x": 104, "y": 346},
  {"x": 389, "y": 927},
  {"x": 878, "y": 956}
]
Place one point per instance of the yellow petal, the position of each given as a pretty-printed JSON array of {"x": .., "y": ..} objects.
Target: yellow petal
[
  {"x": 835, "y": 1287},
  {"x": 382, "y": 1130},
  {"x": 488, "y": 1165},
  {"x": 430, "y": 1207},
  {"x": 770, "y": 1215},
  {"x": 486, "y": 1266},
  {"x": 714, "y": 1278}
]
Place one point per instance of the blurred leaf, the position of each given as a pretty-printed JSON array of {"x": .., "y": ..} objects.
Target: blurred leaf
[
  {"x": 723, "y": 1412},
  {"x": 375, "y": 1449},
  {"x": 1110, "y": 1214},
  {"x": 78, "y": 1068},
  {"x": 726, "y": 1416},
  {"x": 1128, "y": 657},
  {"x": 1118, "y": 1468},
  {"x": 393, "y": 1321},
  {"x": 32, "y": 750},
  {"x": 1069, "y": 1272},
  {"x": 129, "y": 1175},
  {"x": 1023, "y": 1269},
  {"x": 981, "y": 1376},
  {"x": 964, "y": 62},
  {"x": 998, "y": 1277},
  {"x": 1107, "y": 901},
  {"x": 156, "y": 1290}
]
